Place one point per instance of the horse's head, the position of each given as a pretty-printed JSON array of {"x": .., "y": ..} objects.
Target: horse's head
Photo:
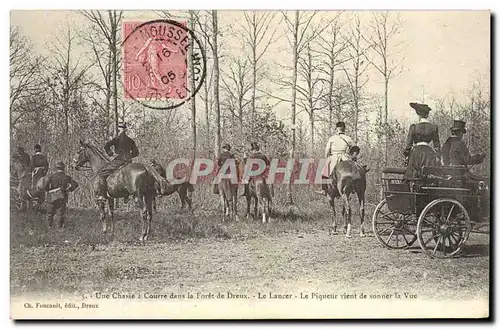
[{"x": 82, "y": 156}]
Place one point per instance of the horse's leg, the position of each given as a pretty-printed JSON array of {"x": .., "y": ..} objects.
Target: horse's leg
[
  {"x": 102, "y": 208},
  {"x": 223, "y": 204},
  {"x": 347, "y": 213},
  {"x": 249, "y": 202},
  {"x": 155, "y": 209},
  {"x": 149, "y": 214},
  {"x": 140, "y": 203},
  {"x": 334, "y": 217},
  {"x": 235, "y": 204},
  {"x": 111, "y": 205},
  {"x": 361, "y": 200}
]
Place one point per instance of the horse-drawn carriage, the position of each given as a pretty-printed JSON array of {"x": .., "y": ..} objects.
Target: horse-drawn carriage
[{"x": 440, "y": 210}]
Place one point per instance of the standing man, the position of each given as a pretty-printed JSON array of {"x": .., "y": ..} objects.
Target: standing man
[
  {"x": 455, "y": 152},
  {"x": 337, "y": 149},
  {"x": 58, "y": 185},
  {"x": 39, "y": 165},
  {"x": 125, "y": 150}
]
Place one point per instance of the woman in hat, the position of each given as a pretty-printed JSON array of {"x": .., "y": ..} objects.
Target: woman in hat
[{"x": 418, "y": 150}]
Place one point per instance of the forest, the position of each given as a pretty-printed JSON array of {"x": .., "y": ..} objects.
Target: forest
[{"x": 282, "y": 79}]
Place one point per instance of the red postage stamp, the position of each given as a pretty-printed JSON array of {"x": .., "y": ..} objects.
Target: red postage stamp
[{"x": 155, "y": 61}]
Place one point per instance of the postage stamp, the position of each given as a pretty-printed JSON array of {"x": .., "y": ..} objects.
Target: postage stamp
[{"x": 156, "y": 57}]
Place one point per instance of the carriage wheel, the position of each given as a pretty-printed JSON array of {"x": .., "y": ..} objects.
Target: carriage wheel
[
  {"x": 16, "y": 200},
  {"x": 393, "y": 230},
  {"x": 443, "y": 228}
]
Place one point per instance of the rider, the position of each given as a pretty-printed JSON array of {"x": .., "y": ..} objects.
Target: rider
[
  {"x": 125, "y": 150},
  {"x": 22, "y": 157},
  {"x": 418, "y": 151},
  {"x": 256, "y": 153},
  {"x": 456, "y": 153},
  {"x": 337, "y": 149},
  {"x": 225, "y": 155},
  {"x": 39, "y": 165},
  {"x": 58, "y": 185}
]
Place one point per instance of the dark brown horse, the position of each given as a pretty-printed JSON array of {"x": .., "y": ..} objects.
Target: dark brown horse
[
  {"x": 350, "y": 177},
  {"x": 228, "y": 193},
  {"x": 134, "y": 179},
  {"x": 26, "y": 192},
  {"x": 260, "y": 193},
  {"x": 184, "y": 190}
]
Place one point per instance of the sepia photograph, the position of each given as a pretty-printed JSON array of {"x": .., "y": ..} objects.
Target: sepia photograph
[{"x": 250, "y": 164}]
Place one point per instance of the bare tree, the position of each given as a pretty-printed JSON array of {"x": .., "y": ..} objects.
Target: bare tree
[
  {"x": 381, "y": 44},
  {"x": 215, "y": 26},
  {"x": 257, "y": 36},
  {"x": 356, "y": 68},
  {"x": 24, "y": 74},
  {"x": 237, "y": 86},
  {"x": 110, "y": 29},
  {"x": 192, "y": 23},
  {"x": 331, "y": 47}
]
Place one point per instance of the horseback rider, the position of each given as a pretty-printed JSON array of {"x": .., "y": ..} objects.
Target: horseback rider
[
  {"x": 256, "y": 153},
  {"x": 23, "y": 158},
  {"x": 337, "y": 149},
  {"x": 125, "y": 150},
  {"x": 58, "y": 186},
  {"x": 456, "y": 153},
  {"x": 225, "y": 155},
  {"x": 418, "y": 150},
  {"x": 39, "y": 165}
]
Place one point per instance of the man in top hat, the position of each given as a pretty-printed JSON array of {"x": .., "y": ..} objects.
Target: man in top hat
[
  {"x": 58, "y": 186},
  {"x": 225, "y": 155},
  {"x": 337, "y": 149},
  {"x": 39, "y": 165},
  {"x": 418, "y": 151},
  {"x": 455, "y": 152},
  {"x": 125, "y": 150}
]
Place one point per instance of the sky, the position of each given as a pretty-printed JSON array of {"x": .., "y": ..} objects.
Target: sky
[{"x": 444, "y": 51}]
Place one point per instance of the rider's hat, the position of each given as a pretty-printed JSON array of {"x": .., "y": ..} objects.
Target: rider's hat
[
  {"x": 20, "y": 148},
  {"x": 254, "y": 146},
  {"x": 37, "y": 147},
  {"x": 60, "y": 165},
  {"x": 421, "y": 109},
  {"x": 340, "y": 124},
  {"x": 227, "y": 147},
  {"x": 458, "y": 125},
  {"x": 122, "y": 125}
]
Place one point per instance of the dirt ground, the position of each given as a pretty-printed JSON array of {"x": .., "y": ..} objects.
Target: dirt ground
[{"x": 196, "y": 252}]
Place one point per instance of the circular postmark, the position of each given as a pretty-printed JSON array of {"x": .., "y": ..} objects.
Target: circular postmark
[{"x": 156, "y": 63}]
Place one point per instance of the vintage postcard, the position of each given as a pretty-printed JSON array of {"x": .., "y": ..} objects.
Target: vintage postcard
[{"x": 210, "y": 164}]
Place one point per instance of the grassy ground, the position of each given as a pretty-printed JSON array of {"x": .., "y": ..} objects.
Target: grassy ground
[{"x": 196, "y": 251}]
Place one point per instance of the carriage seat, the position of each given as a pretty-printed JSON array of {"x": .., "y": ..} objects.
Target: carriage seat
[
  {"x": 447, "y": 172},
  {"x": 393, "y": 170}
]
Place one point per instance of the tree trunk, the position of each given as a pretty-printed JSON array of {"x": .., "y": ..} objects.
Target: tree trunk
[
  {"x": 254, "y": 72},
  {"x": 330, "y": 93},
  {"x": 193, "y": 85},
  {"x": 216, "y": 83},
  {"x": 294, "y": 95},
  {"x": 386, "y": 124}
]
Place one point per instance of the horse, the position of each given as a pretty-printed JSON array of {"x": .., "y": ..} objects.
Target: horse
[
  {"x": 184, "y": 190},
  {"x": 133, "y": 179},
  {"x": 27, "y": 192},
  {"x": 350, "y": 177},
  {"x": 228, "y": 193},
  {"x": 260, "y": 193}
]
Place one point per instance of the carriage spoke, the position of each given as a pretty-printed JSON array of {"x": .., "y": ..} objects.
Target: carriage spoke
[
  {"x": 406, "y": 240},
  {"x": 437, "y": 244},
  {"x": 431, "y": 238},
  {"x": 397, "y": 238},
  {"x": 385, "y": 229},
  {"x": 407, "y": 230},
  {"x": 390, "y": 236},
  {"x": 449, "y": 214},
  {"x": 443, "y": 245}
]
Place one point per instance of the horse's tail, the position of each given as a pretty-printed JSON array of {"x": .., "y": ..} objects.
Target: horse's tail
[{"x": 158, "y": 178}]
